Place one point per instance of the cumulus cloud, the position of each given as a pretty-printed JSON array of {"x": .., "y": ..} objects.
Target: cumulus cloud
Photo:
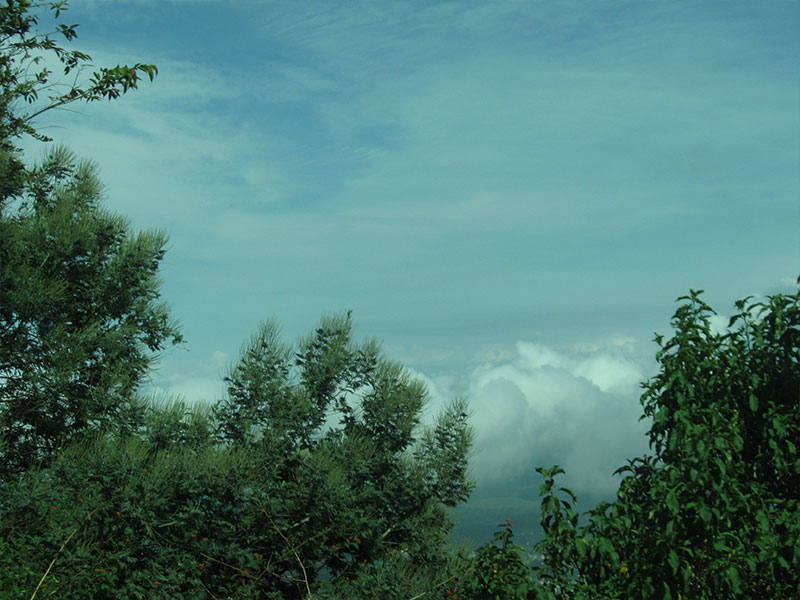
[{"x": 544, "y": 406}]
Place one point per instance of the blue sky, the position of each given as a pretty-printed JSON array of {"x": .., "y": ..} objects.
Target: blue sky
[{"x": 510, "y": 194}]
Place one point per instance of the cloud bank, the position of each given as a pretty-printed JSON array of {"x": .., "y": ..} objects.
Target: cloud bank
[{"x": 546, "y": 406}]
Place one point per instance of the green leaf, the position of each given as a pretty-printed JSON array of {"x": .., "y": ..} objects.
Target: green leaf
[
  {"x": 733, "y": 577},
  {"x": 672, "y": 502},
  {"x": 580, "y": 545},
  {"x": 705, "y": 514},
  {"x": 605, "y": 546},
  {"x": 674, "y": 561}
]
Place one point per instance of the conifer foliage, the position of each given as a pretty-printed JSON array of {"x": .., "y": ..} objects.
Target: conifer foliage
[{"x": 80, "y": 318}]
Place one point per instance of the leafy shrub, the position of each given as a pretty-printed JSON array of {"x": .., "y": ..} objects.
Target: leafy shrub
[{"x": 714, "y": 512}]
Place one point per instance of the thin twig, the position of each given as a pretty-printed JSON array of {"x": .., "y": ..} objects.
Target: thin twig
[
  {"x": 440, "y": 584},
  {"x": 291, "y": 547},
  {"x": 52, "y": 562},
  {"x": 209, "y": 591},
  {"x": 222, "y": 562},
  {"x": 74, "y": 531}
]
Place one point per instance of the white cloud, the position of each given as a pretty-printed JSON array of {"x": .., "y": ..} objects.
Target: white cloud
[
  {"x": 612, "y": 374},
  {"x": 536, "y": 356},
  {"x": 579, "y": 410}
]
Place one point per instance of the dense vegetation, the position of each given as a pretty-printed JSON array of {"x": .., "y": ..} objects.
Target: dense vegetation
[{"x": 312, "y": 477}]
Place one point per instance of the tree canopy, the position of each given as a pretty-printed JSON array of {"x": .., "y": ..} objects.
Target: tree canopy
[
  {"x": 80, "y": 317},
  {"x": 311, "y": 472}
]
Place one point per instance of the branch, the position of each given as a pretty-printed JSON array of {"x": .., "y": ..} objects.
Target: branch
[
  {"x": 291, "y": 547},
  {"x": 52, "y": 562}
]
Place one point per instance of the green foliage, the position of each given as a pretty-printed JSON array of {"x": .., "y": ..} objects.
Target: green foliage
[
  {"x": 714, "y": 513},
  {"x": 395, "y": 577},
  {"x": 12, "y": 176},
  {"x": 140, "y": 524},
  {"x": 286, "y": 487},
  {"x": 347, "y": 418},
  {"x": 80, "y": 319},
  {"x": 560, "y": 550},
  {"x": 22, "y": 49},
  {"x": 498, "y": 571}
]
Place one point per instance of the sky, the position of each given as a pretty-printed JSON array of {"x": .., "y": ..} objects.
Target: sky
[{"x": 511, "y": 195}]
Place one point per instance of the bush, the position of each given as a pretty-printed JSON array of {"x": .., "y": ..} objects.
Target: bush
[{"x": 714, "y": 512}]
